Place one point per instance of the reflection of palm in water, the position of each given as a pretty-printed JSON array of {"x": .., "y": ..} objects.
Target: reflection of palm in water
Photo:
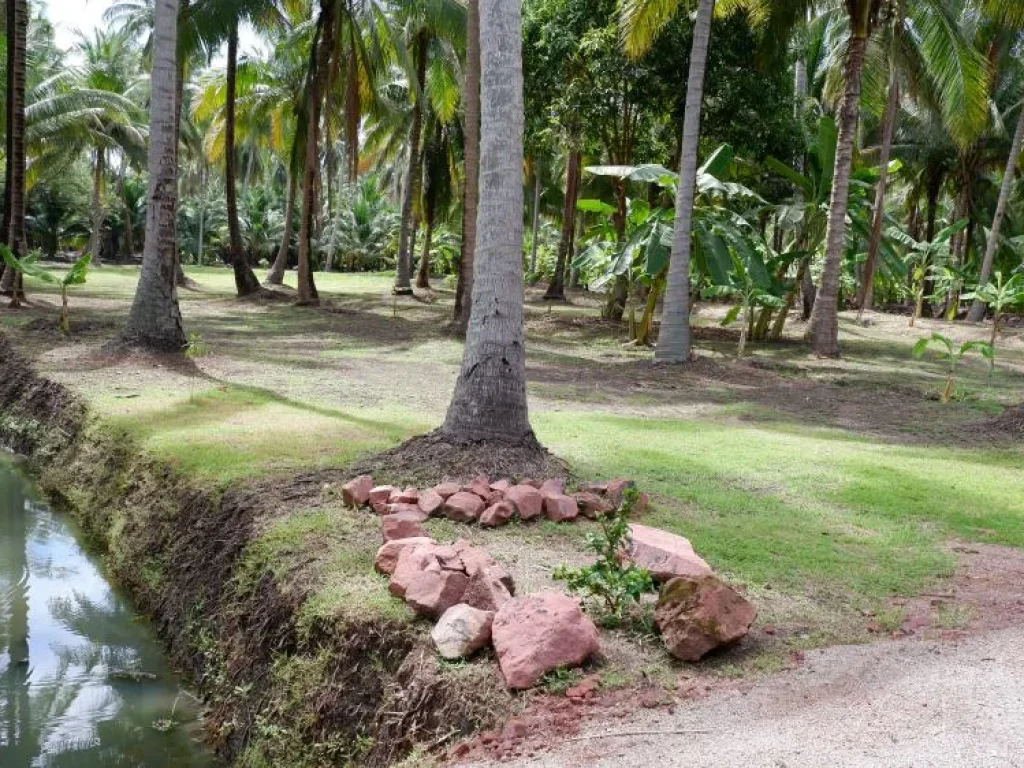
[{"x": 66, "y": 709}]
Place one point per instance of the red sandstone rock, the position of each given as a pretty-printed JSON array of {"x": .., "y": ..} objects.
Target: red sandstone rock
[
  {"x": 697, "y": 615},
  {"x": 501, "y": 485},
  {"x": 553, "y": 487},
  {"x": 616, "y": 489},
  {"x": 356, "y": 491},
  {"x": 463, "y": 507},
  {"x": 380, "y": 497},
  {"x": 527, "y": 499},
  {"x": 431, "y": 593},
  {"x": 402, "y": 525},
  {"x": 560, "y": 508},
  {"x": 387, "y": 555},
  {"x": 481, "y": 486},
  {"x": 486, "y": 591},
  {"x": 478, "y": 560},
  {"x": 408, "y": 496},
  {"x": 665, "y": 555},
  {"x": 535, "y": 634},
  {"x": 430, "y": 501},
  {"x": 411, "y": 562},
  {"x": 444, "y": 490},
  {"x": 498, "y": 514},
  {"x": 591, "y": 504}
]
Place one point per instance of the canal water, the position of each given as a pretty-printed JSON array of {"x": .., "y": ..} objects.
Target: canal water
[{"x": 83, "y": 681}]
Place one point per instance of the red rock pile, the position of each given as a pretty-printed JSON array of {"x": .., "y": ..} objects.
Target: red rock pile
[{"x": 490, "y": 504}]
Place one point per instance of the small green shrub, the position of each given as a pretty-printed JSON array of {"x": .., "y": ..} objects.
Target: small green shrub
[
  {"x": 612, "y": 582},
  {"x": 951, "y": 355}
]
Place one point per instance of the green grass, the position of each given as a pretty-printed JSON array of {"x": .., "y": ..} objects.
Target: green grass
[{"x": 798, "y": 508}]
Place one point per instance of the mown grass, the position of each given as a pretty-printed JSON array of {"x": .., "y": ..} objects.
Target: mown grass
[{"x": 799, "y": 508}]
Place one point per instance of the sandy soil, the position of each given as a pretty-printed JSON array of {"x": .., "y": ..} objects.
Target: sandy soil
[{"x": 958, "y": 702}]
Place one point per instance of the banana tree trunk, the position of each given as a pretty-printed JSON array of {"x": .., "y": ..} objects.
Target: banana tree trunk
[
  {"x": 878, "y": 216},
  {"x": 246, "y": 283},
  {"x": 413, "y": 184},
  {"x": 674, "y": 337},
  {"x": 556, "y": 288},
  {"x": 471, "y": 187},
  {"x": 489, "y": 402},
  {"x": 977, "y": 311},
  {"x": 276, "y": 274},
  {"x": 154, "y": 321},
  {"x": 307, "y": 288},
  {"x": 824, "y": 326}
]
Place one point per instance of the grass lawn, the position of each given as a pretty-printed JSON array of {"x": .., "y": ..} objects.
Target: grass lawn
[{"x": 827, "y": 487}]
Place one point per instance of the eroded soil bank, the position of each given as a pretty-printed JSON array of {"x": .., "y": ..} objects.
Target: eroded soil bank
[{"x": 286, "y": 684}]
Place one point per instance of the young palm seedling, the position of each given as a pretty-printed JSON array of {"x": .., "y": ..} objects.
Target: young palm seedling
[{"x": 999, "y": 296}]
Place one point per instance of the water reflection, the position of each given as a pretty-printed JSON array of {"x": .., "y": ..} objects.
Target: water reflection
[{"x": 82, "y": 681}]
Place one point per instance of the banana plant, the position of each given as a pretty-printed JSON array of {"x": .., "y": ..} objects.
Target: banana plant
[
  {"x": 952, "y": 355},
  {"x": 29, "y": 266},
  {"x": 1000, "y": 296},
  {"x": 925, "y": 259},
  {"x": 643, "y": 255}
]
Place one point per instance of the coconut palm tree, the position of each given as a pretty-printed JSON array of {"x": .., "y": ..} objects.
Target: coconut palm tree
[
  {"x": 154, "y": 321},
  {"x": 471, "y": 161},
  {"x": 1011, "y": 15},
  {"x": 431, "y": 29},
  {"x": 489, "y": 402},
  {"x": 641, "y": 21},
  {"x": 17, "y": 35}
]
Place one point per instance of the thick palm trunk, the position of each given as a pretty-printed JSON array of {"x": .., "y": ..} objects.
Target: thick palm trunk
[
  {"x": 489, "y": 402},
  {"x": 318, "y": 80},
  {"x": 556, "y": 288},
  {"x": 471, "y": 186},
  {"x": 824, "y": 327},
  {"x": 95, "y": 237},
  {"x": 155, "y": 319},
  {"x": 179, "y": 87},
  {"x": 977, "y": 311},
  {"x": 6, "y": 275},
  {"x": 414, "y": 181},
  {"x": 276, "y": 274},
  {"x": 674, "y": 335},
  {"x": 246, "y": 283},
  {"x": 16, "y": 227},
  {"x": 878, "y": 216}
]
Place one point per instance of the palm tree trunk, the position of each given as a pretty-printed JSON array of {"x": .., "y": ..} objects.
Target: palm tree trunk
[
  {"x": 353, "y": 110},
  {"x": 276, "y": 274},
  {"x": 16, "y": 227},
  {"x": 154, "y": 321},
  {"x": 824, "y": 326},
  {"x": 977, "y": 311},
  {"x": 413, "y": 184},
  {"x": 674, "y": 335},
  {"x": 246, "y": 283},
  {"x": 556, "y": 288},
  {"x": 318, "y": 78},
  {"x": 471, "y": 186},
  {"x": 7, "y": 276},
  {"x": 536, "y": 222},
  {"x": 179, "y": 87},
  {"x": 489, "y": 402},
  {"x": 878, "y": 216},
  {"x": 423, "y": 276},
  {"x": 129, "y": 228},
  {"x": 95, "y": 237}
]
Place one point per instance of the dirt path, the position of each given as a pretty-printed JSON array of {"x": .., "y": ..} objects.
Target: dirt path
[{"x": 903, "y": 703}]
